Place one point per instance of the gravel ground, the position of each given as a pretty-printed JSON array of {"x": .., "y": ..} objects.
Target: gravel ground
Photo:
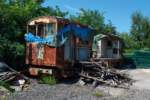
[
  {"x": 73, "y": 91},
  {"x": 57, "y": 92},
  {"x": 77, "y": 92},
  {"x": 133, "y": 95}
]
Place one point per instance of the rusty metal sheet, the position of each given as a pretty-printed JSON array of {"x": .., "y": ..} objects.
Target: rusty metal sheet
[
  {"x": 42, "y": 56},
  {"x": 49, "y": 56}
]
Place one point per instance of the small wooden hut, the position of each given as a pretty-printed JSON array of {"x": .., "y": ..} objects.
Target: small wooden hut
[{"x": 108, "y": 48}]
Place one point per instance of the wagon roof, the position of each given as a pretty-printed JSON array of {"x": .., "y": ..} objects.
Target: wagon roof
[{"x": 59, "y": 20}]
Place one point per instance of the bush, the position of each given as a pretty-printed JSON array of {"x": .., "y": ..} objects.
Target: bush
[{"x": 48, "y": 79}]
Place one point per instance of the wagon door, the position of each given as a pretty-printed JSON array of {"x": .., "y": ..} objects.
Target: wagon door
[{"x": 82, "y": 53}]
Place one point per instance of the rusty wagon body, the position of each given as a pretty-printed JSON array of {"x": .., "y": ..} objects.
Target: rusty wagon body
[{"x": 54, "y": 45}]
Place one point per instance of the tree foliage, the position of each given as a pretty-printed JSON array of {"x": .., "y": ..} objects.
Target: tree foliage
[
  {"x": 139, "y": 35},
  {"x": 140, "y": 30},
  {"x": 92, "y": 18},
  {"x": 128, "y": 41},
  {"x": 109, "y": 28}
]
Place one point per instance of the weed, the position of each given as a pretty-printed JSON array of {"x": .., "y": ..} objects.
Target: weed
[
  {"x": 47, "y": 79},
  {"x": 97, "y": 94}
]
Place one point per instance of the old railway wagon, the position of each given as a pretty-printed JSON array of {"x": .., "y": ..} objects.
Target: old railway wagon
[{"x": 54, "y": 45}]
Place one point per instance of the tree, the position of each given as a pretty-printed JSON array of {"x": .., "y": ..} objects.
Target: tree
[
  {"x": 109, "y": 28},
  {"x": 95, "y": 20},
  {"x": 140, "y": 30},
  {"x": 128, "y": 41},
  {"x": 92, "y": 18}
]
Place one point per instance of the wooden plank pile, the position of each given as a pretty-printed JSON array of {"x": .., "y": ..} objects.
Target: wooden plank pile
[
  {"x": 11, "y": 77},
  {"x": 8, "y": 76},
  {"x": 11, "y": 74},
  {"x": 94, "y": 71}
]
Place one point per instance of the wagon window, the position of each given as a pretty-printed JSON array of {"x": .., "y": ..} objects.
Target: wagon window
[
  {"x": 50, "y": 29},
  {"x": 32, "y": 29},
  {"x": 37, "y": 30},
  {"x": 40, "y": 30}
]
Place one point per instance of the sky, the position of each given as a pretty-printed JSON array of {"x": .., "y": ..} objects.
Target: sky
[{"x": 118, "y": 11}]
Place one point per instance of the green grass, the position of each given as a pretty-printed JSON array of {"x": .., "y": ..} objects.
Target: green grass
[
  {"x": 47, "y": 79},
  {"x": 97, "y": 94}
]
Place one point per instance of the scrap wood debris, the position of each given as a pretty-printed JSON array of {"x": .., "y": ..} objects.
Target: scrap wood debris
[
  {"x": 108, "y": 76},
  {"x": 12, "y": 75},
  {"x": 7, "y": 76}
]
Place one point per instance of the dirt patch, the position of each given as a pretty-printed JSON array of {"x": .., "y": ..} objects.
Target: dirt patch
[{"x": 141, "y": 77}]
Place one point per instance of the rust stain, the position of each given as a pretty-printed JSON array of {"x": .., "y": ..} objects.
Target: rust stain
[
  {"x": 49, "y": 56},
  {"x": 33, "y": 72}
]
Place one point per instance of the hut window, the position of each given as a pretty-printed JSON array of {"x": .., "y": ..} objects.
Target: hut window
[
  {"x": 115, "y": 51},
  {"x": 109, "y": 43}
]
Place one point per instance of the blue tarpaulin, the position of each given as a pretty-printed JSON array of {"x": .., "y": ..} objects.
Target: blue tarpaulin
[
  {"x": 29, "y": 37},
  {"x": 82, "y": 33}
]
